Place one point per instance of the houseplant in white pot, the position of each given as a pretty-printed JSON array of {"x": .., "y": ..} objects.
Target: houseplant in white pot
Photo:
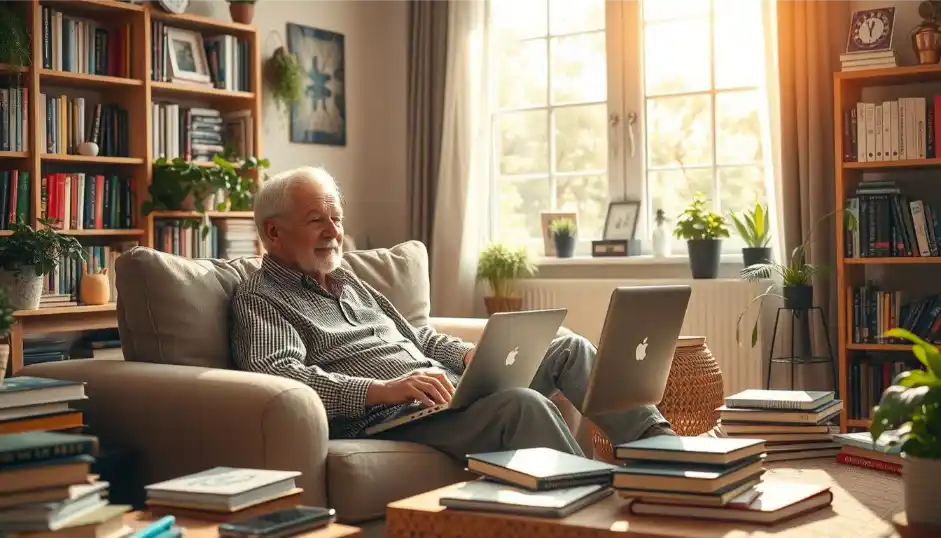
[
  {"x": 27, "y": 255},
  {"x": 909, "y": 414},
  {"x": 6, "y": 321}
]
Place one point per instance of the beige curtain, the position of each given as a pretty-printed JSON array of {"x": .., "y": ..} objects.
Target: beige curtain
[
  {"x": 427, "y": 63},
  {"x": 810, "y": 36}
]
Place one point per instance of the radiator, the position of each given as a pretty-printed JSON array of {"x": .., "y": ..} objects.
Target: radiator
[{"x": 714, "y": 307}]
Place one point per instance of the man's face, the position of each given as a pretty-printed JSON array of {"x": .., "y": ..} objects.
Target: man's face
[{"x": 311, "y": 233}]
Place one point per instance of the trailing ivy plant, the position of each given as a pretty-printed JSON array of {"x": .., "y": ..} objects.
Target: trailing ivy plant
[
  {"x": 285, "y": 78},
  {"x": 39, "y": 250}
]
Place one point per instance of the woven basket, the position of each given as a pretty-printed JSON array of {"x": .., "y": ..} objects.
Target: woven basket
[{"x": 693, "y": 393}]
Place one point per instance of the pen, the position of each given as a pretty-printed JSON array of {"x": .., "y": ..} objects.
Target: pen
[{"x": 156, "y": 528}]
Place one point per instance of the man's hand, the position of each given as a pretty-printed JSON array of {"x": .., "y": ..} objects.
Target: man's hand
[
  {"x": 429, "y": 386},
  {"x": 469, "y": 356}
]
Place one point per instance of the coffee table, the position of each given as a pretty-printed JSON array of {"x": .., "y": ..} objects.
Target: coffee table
[
  {"x": 205, "y": 529},
  {"x": 864, "y": 503}
]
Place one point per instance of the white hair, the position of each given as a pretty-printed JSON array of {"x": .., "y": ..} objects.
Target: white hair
[{"x": 273, "y": 199}]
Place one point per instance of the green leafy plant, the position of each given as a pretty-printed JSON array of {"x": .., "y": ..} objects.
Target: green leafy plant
[
  {"x": 563, "y": 227},
  {"x": 14, "y": 36},
  {"x": 285, "y": 78},
  {"x": 753, "y": 226},
  {"x": 37, "y": 250},
  {"x": 501, "y": 266},
  {"x": 909, "y": 412},
  {"x": 697, "y": 222},
  {"x": 6, "y": 313}
]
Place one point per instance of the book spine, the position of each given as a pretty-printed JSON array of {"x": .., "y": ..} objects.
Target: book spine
[
  {"x": 857, "y": 461},
  {"x": 46, "y": 453}
]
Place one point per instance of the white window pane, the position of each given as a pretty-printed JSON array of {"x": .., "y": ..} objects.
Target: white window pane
[
  {"x": 581, "y": 138},
  {"x": 679, "y": 131},
  {"x": 587, "y": 196},
  {"x": 568, "y": 16},
  {"x": 521, "y": 203},
  {"x": 676, "y": 56},
  {"x": 579, "y": 68},
  {"x": 519, "y": 19},
  {"x": 524, "y": 142},
  {"x": 739, "y": 48},
  {"x": 523, "y": 74},
  {"x": 673, "y": 190},
  {"x": 740, "y": 188},
  {"x": 670, "y": 9},
  {"x": 738, "y": 127}
]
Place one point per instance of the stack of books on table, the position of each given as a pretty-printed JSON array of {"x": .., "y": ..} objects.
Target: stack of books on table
[
  {"x": 224, "y": 494},
  {"x": 795, "y": 424},
  {"x": 861, "y": 61},
  {"x": 709, "y": 478},
  {"x": 38, "y": 404},
  {"x": 46, "y": 489},
  {"x": 859, "y": 450},
  {"x": 540, "y": 482}
]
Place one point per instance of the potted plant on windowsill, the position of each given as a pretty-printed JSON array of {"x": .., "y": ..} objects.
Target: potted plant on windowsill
[
  {"x": 703, "y": 231},
  {"x": 6, "y": 322},
  {"x": 754, "y": 228},
  {"x": 501, "y": 266},
  {"x": 564, "y": 233},
  {"x": 27, "y": 255},
  {"x": 909, "y": 414}
]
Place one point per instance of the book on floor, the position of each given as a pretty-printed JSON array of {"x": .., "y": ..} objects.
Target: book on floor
[
  {"x": 24, "y": 391},
  {"x": 223, "y": 489},
  {"x": 793, "y": 400},
  {"x": 51, "y": 516},
  {"x": 737, "y": 491},
  {"x": 685, "y": 477},
  {"x": 41, "y": 446},
  {"x": 486, "y": 495},
  {"x": 818, "y": 416},
  {"x": 540, "y": 468},
  {"x": 707, "y": 450}
]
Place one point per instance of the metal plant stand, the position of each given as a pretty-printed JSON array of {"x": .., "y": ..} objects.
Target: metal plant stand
[{"x": 801, "y": 317}]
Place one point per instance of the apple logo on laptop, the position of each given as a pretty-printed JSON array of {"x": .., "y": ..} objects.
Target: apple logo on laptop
[
  {"x": 511, "y": 356},
  {"x": 641, "y": 352}
]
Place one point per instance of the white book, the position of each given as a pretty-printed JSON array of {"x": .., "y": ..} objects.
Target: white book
[
  {"x": 921, "y": 231},
  {"x": 894, "y": 127},
  {"x": 911, "y": 146},
  {"x": 920, "y": 132},
  {"x": 877, "y": 128},
  {"x": 861, "y": 132},
  {"x": 803, "y": 400},
  {"x": 887, "y": 131},
  {"x": 870, "y": 132}
]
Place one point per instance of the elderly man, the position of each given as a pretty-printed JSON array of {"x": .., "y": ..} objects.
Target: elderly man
[{"x": 304, "y": 317}]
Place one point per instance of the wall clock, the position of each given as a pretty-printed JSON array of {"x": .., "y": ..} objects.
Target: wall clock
[
  {"x": 871, "y": 30},
  {"x": 174, "y": 6}
]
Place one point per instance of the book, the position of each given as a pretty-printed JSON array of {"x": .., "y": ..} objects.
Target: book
[
  {"x": 685, "y": 477},
  {"x": 25, "y": 390},
  {"x": 708, "y": 450},
  {"x": 738, "y": 491},
  {"x": 223, "y": 489},
  {"x": 817, "y": 416},
  {"x": 50, "y": 516},
  {"x": 45, "y": 474},
  {"x": 795, "y": 400},
  {"x": 39, "y": 446},
  {"x": 540, "y": 469},
  {"x": 496, "y": 497}
]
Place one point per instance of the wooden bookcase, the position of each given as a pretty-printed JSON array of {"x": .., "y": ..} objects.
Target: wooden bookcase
[
  {"x": 135, "y": 94},
  {"x": 853, "y": 271}
]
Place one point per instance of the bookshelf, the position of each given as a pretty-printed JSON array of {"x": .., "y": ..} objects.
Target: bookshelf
[
  {"x": 128, "y": 152},
  {"x": 884, "y": 266}
]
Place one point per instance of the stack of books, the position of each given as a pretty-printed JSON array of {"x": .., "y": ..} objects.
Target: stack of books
[
  {"x": 37, "y": 404},
  {"x": 709, "y": 478},
  {"x": 861, "y": 61},
  {"x": 795, "y": 424},
  {"x": 540, "y": 482},
  {"x": 224, "y": 494},
  {"x": 46, "y": 489},
  {"x": 859, "y": 450}
]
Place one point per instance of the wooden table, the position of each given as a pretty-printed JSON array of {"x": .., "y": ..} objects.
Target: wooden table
[
  {"x": 864, "y": 504},
  {"x": 204, "y": 529}
]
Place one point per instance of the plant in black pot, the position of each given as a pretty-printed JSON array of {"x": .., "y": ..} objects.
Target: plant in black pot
[
  {"x": 564, "y": 234},
  {"x": 703, "y": 231},
  {"x": 754, "y": 228},
  {"x": 27, "y": 255}
]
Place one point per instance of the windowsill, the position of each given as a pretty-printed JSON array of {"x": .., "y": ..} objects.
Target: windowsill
[{"x": 726, "y": 259}]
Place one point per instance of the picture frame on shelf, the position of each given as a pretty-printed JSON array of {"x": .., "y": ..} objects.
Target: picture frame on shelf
[
  {"x": 320, "y": 116},
  {"x": 621, "y": 220},
  {"x": 547, "y": 218},
  {"x": 188, "y": 63}
]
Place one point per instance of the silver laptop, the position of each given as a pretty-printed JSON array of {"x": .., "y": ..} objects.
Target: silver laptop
[
  {"x": 507, "y": 356},
  {"x": 636, "y": 348}
]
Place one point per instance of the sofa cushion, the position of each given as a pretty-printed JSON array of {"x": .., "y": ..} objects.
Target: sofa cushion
[
  {"x": 400, "y": 273},
  {"x": 364, "y": 475}
]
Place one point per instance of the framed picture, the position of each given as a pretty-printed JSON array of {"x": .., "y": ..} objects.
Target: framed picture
[
  {"x": 187, "y": 57},
  {"x": 621, "y": 222},
  {"x": 548, "y": 217},
  {"x": 320, "y": 117}
]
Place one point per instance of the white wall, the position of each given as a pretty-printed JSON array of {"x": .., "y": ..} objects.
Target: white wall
[{"x": 371, "y": 168}]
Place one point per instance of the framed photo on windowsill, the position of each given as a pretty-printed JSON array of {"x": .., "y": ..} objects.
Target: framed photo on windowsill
[{"x": 621, "y": 221}]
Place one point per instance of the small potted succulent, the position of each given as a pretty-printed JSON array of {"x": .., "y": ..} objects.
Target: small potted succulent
[
  {"x": 242, "y": 11},
  {"x": 27, "y": 255},
  {"x": 703, "y": 231},
  {"x": 564, "y": 234},
  {"x": 501, "y": 267},
  {"x": 754, "y": 228},
  {"x": 6, "y": 322}
]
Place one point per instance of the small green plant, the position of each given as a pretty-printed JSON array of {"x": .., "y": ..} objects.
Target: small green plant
[
  {"x": 501, "y": 266},
  {"x": 285, "y": 78},
  {"x": 563, "y": 228},
  {"x": 6, "y": 313},
  {"x": 14, "y": 35},
  {"x": 909, "y": 412},
  {"x": 37, "y": 250},
  {"x": 697, "y": 222},
  {"x": 753, "y": 226}
]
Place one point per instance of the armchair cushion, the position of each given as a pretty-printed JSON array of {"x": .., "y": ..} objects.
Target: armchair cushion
[{"x": 400, "y": 274}]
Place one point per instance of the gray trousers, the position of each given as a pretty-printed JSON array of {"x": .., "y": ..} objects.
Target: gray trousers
[{"x": 525, "y": 417}]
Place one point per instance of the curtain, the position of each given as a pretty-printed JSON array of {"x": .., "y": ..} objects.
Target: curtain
[
  {"x": 427, "y": 61},
  {"x": 463, "y": 174}
]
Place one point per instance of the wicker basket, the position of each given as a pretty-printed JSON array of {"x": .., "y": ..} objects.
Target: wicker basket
[{"x": 693, "y": 393}]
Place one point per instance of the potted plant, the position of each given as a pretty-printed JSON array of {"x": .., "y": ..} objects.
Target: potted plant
[
  {"x": 285, "y": 78},
  {"x": 242, "y": 11},
  {"x": 563, "y": 234},
  {"x": 703, "y": 231},
  {"x": 753, "y": 227},
  {"x": 501, "y": 267},
  {"x": 27, "y": 254},
  {"x": 6, "y": 322},
  {"x": 909, "y": 414}
]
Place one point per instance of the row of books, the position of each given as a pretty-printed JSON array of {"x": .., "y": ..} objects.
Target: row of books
[
  {"x": 858, "y": 449},
  {"x": 889, "y": 224},
  {"x": 82, "y": 45},
  {"x": 900, "y": 129},
  {"x": 875, "y": 311},
  {"x": 66, "y": 278},
  {"x": 867, "y": 378},
  {"x": 14, "y": 124},
  {"x": 864, "y": 60},
  {"x": 15, "y": 198},
  {"x": 66, "y": 122},
  {"x": 226, "y": 238},
  {"x": 228, "y": 59},
  {"x": 193, "y": 134},
  {"x": 80, "y": 201}
]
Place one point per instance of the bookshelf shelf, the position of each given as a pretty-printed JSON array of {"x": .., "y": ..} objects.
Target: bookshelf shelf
[
  {"x": 858, "y": 423},
  {"x": 104, "y": 232},
  {"x": 8, "y": 69},
  {"x": 893, "y": 76},
  {"x": 86, "y": 80},
  {"x": 67, "y": 158},
  {"x": 52, "y": 311},
  {"x": 892, "y": 260},
  {"x": 203, "y": 24},
  {"x": 14, "y": 155},
  {"x": 889, "y": 165},
  {"x": 878, "y": 347},
  {"x": 98, "y": 6},
  {"x": 197, "y": 214},
  {"x": 205, "y": 92}
]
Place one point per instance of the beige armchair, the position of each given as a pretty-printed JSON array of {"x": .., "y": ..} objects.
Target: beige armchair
[{"x": 177, "y": 402}]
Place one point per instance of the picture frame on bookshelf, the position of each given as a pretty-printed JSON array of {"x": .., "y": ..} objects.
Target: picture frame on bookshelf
[
  {"x": 320, "y": 116},
  {"x": 187, "y": 56}
]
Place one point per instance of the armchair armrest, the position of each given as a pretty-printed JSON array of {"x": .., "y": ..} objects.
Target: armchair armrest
[{"x": 183, "y": 419}]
